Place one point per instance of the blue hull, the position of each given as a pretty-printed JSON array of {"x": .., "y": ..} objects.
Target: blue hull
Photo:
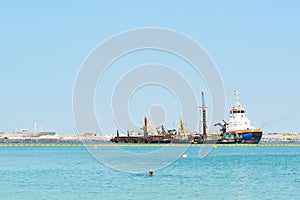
[
  {"x": 251, "y": 137},
  {"x": 245, "y": 138}
]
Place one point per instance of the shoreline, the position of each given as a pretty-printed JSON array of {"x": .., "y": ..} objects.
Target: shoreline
[{"x": 105, "y": 138}]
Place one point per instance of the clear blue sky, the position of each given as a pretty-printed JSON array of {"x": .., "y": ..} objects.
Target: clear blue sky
[{"x": 255, "y": 45}]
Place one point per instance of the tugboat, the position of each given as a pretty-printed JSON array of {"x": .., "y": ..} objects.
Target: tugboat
[{"x": 239, "y": 128}]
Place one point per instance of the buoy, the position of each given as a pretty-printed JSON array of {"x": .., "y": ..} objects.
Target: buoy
[
  {"x": 150, "y": 173},
  {"x": 184, "y": 156}
]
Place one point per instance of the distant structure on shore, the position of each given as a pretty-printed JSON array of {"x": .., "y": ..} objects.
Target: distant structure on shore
[
  {"x": 25, "y": 132},
  {"x": 40, "y": 136}
]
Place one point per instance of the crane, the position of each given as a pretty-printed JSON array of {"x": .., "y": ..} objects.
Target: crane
[{"x": 203, "y": 107}]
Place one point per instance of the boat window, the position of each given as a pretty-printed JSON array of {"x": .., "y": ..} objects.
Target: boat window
[{"x": 238, "y": 111}]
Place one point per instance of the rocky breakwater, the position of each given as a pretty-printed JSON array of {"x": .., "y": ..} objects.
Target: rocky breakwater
[{"x": 280, "y": 137}]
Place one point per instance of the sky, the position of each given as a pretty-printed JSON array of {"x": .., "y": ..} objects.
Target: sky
[{"x": 255, "y": 46}]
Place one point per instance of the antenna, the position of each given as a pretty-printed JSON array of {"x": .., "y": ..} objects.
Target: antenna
[{"x": 237, "y": 97}]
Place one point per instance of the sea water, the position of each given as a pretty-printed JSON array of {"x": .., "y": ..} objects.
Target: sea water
[{"x": 226, "y": 173}]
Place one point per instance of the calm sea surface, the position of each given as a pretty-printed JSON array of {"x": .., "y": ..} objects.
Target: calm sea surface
[{"x": 227, "y": 173}]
